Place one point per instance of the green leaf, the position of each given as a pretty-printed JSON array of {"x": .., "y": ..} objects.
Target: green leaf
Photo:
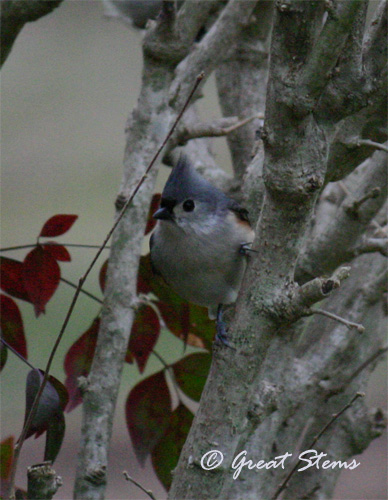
[
  {"x": 166, "y": 453},
  {"x": 191, "y": 374},
  {"x": 54, "y": 437}
]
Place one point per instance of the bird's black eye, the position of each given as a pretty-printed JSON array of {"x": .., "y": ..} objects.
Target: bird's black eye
[{"x": 188, "y": 206}]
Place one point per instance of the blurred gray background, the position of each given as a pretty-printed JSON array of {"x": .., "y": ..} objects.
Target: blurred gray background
[{"x": 67, "y": 88}]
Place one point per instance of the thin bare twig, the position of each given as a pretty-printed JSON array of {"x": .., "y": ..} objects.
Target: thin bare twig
[
  {"x": 314, "y": 441},
  {"x": 347, "y": 323},
  {"x": 88, "y": 294},
  {"x": 31, "y": 245},
  {"x": 130, "y": 479},
  {"x": 241, "y": 123},
  {"x": 81, "y": 281},
  {"x": 366, "y": 142},
  {"x": 16, "y": 353}
]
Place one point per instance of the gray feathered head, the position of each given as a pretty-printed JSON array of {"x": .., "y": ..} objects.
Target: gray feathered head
[
  {"x": 192, "y": 203},
  {"x": 185, "y": 182},
  {"x": 187, "y": 191}
]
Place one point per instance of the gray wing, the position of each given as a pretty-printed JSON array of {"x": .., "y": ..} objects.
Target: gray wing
[{"x": 154, "y": 270}]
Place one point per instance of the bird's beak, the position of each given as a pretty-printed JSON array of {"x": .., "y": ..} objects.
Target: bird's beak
[{"x": 163, "y": 214}]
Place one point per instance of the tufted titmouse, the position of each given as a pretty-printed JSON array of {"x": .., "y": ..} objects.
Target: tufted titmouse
[{"x": 200, "y": 242}]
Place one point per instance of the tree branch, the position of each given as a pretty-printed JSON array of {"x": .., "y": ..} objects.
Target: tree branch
[
  {"x": 366, "y": 142},
  {"x": 221, "y": 36},
  {"x": 241, "y": 82},
  {"x": 376, "y": 287},
  {"x": 324, "y": 56},
  {"x": 343, "y": 321},
  {"x": 216, "y": 128},
  {"x": 292, "y": 306},
  {"x": 333, "y": 245},
  {"x": 370, "y": 245},
  {"x": 101, "y": 389},
  {"x": 313, "y": 443},
  {"x": 43, "y": 482},
  {"x": 147, "y": 492}
]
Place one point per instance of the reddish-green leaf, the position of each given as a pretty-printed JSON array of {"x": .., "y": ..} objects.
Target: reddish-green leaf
[
  {"x": 12, "y": 278},
  {"x": 78, "y": 361},
  {"x": 147, "y": 411},
  {"x": 153, "y": 207},
  {"x": 6, "y": 458},
  {"x": 41, "y": 275},
  {"x": 12, "y": 330},
  {"x": 144, "y": 334},
  {"x": 187, "y": 321},
  {"x": 191, "y": 373},
  {"x": 57, "y": 225},
  {"x": 145, "y": 275},
  {"x": 181, "y": 318},
  {"x": 166, "y": 453},
  {"x": 59, "y": 252},
  {"x": 6, "y": 455},
  {"x": 102, "y": 275}
]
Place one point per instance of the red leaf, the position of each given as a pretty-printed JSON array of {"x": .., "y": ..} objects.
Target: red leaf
[
  {"x": 78, "y": 361},
  {"x": 151, "y": 222},
  {"x": 12, "y": 330},
  {"x": 12, "y": 278},
  {"x": 191, "y": 373},
  {"x": 6, "y": 456},
  {"x": 148, "y": 410},
  {"x": 59, "y": 252},
  {"x": 41, "y": 276},
  {"x": 144, "y": 334},
  {"x": 57, "y": 225},
  {"x": 166, "y": 453},
  {"x": 102, "y": 275}
]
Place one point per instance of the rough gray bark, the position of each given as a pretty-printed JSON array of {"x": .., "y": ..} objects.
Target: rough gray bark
[
  {"x": 297, "y": 139},
  {"x": 241, "y": 83},
  {"x": 43, "y": 482},
  {"x": 291, "y": 369}
]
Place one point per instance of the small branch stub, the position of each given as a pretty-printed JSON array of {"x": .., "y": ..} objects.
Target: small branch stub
[
  {"x": 353, "y": 209},
  {"x": 304, "y": 297},
  {"x": 43, "y": 481}
]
